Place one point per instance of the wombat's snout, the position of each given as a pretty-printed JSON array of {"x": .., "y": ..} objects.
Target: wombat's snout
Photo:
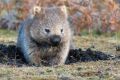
[{"x": 55, "y": 40}]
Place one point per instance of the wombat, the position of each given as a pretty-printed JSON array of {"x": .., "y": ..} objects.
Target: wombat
[{"x": 45, "y": 37}]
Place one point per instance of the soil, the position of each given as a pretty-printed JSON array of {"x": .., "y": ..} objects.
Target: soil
[{"x": 10, "y": 55}]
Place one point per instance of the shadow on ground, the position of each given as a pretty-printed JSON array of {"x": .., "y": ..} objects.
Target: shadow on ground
[{"x": 10, "y": 55}]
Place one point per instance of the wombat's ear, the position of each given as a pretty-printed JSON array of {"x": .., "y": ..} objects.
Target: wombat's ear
[
  {"x": 64, "y": 10},
  {"x": 35, "y": 11}
]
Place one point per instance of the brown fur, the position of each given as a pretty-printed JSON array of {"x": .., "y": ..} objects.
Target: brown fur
[{"x": 34, "y": 42}]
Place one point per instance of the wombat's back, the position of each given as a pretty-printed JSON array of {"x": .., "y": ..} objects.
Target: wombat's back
[{"x": 22, "y": 41}]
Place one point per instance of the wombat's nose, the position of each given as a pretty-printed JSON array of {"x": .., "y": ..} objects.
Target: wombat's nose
[{"x": 55, "y": 40}]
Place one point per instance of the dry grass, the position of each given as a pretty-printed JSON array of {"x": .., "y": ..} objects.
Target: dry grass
[{"x": 100, "y": 70}]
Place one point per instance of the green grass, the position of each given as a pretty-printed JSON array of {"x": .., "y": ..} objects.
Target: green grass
[
  {"x": 7, "y": 36},
  {"x": 8, "y": 33},
  {"x": 99, "y": 33}
]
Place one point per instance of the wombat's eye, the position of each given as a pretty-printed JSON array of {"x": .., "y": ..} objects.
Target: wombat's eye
[
  {"x": 47, "y": 30},
  {"x": 61, "y": 30}
]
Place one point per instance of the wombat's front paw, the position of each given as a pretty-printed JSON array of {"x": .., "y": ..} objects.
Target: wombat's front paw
[
  {"x": 55, "y": 62},
  {"x": 35, "y": 59}
]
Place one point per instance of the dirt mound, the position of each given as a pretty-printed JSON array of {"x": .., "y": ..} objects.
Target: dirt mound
[
  {"x": 10, "y": 55},
  {"x": 77, "y": 55}
]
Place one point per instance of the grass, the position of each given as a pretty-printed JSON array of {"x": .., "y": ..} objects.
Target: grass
[
  {"x": 7, "y": 36},
  {"x": 101, "y": 43},
  {"x": 99, "y": 70},
  {"x": 97, "y": 33}
]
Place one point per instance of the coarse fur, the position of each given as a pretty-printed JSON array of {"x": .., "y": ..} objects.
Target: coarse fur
[{"x": 34, "y": 42}]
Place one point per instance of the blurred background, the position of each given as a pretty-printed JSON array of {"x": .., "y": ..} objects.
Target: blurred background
[{"x": 98, "y": 16}]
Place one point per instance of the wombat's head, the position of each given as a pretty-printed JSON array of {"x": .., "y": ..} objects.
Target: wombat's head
[{"x": 50, "y": 25}]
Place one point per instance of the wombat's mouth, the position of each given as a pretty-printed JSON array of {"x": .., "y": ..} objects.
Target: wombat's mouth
[{"x": 47, "y": 44}]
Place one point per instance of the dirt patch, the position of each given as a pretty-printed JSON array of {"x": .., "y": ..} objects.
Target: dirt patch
[
  {"x": 79, "y": 55},
  {"x": 10, "y": 55}
]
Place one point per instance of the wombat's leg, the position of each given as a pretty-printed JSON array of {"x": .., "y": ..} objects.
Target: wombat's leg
[
  {"x": 55, "y": 61},
  {"x": 61, "y": 57},
  {"x": 35, "y": 56}
]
